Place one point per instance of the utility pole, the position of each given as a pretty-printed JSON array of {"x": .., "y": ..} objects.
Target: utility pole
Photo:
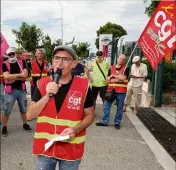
[{"x": 62, "y": 31}]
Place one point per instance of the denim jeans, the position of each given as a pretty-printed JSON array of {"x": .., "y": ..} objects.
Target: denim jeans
[
  {"x": 1, "y": 93},
  {"x": 49, "y": 163},
  {"x": 32, "y": 91},
  {"x": 9, "y": 100},
  {"x": 120, "y": 98}
]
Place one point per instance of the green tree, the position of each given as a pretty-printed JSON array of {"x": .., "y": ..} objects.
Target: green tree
[
  {"x": 47, "y": 46},
  {"x": 82, "y": 49},
  {"x": 110, "y": 28},
  {"x": 28, "y": 36},
  {"x": 151, "y": 8}
]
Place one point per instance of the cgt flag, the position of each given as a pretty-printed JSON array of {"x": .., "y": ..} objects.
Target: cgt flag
[{"x": 159, "y": 37}]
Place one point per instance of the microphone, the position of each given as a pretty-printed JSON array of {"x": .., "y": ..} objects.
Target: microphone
[{"x": 56, "y": 78}]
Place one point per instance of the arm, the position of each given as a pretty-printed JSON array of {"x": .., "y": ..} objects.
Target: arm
[
  {"x": 87, "y": 71},
  {"x": 12, "y": 77},
  {"x": 86, "y": 122},
  {"x": 122, "y": 77},
  {"x": 9, "y": 76},
  {"x": 35, "y": 108},
  {"x": 25, "y": 75}
]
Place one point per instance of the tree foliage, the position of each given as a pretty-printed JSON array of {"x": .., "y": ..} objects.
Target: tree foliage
[
  {"x": 28, "y": 36},
  {"x": 47, "y": 46},
  {"x": 82, "y": 49},
  {"x": 151, "y": 8},
  {"x": 110, "y": 28}
]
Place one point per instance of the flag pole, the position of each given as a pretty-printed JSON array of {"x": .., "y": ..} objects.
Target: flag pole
[{"x": 130, "y": 56}]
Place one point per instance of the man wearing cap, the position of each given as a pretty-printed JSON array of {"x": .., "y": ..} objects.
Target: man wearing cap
[
  {"x": 15, "y": 74},
  {"x": 137, "y": 77},
  {"x": 100, "y": 71},
  {"x": 38, "y": 69},
  {"x": 66, "y": 115}
]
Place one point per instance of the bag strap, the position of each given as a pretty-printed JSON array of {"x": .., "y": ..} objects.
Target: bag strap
[{"x": 100, "y": 70}]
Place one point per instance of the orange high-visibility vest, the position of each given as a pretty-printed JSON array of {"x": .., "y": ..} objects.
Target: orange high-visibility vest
[
  {"x": 119, "y": 87},
  {"x": 36, "y": 72},
  {"x": 50, "y": 123}
]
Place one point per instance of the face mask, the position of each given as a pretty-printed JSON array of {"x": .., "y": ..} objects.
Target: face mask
[{"x": 13, "y": 59}]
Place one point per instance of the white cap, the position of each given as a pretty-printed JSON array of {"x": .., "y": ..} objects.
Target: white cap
[
  {"x": 136, "y": 59},
  {"x": 11, "y": 50}
]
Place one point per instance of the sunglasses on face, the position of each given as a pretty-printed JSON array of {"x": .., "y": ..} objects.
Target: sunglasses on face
[
  {"x": 11, "y": 54},
  {"x": 63, "y": 59}
]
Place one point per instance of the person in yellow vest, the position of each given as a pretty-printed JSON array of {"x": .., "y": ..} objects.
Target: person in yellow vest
[
  {"x": 100, "y": 71},
  {"x": 117, "y": 82},
  {"x": 63, "y": 119},
  {"x": 39, "y": 69}
]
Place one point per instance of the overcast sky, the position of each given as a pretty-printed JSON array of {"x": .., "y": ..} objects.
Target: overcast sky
[{"x": 81, "y": 18}]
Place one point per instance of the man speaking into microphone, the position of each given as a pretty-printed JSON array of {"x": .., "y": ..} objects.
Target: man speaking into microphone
[{"x": 64, "y": 107}]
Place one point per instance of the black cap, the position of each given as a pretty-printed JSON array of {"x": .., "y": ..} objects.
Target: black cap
[{"x": 99, "y": 53}]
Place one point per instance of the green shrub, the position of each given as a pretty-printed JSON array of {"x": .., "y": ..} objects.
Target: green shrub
[
  {"x": 169, "y": 75},
  {"x": 169, "y": 78}
]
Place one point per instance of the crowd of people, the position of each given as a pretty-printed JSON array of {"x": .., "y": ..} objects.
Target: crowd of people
[{"x": 69, "y": 111}]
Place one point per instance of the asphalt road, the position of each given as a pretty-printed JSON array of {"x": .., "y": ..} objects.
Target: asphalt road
[{"x": 106, "y": 147}]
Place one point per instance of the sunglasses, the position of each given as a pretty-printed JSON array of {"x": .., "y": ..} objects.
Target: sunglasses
[{"x": 11, "y": 54}]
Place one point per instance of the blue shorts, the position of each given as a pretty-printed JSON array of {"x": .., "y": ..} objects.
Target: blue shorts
[
  {"x": 1, "y": 93},
  {"x": 9, "y": 100}
]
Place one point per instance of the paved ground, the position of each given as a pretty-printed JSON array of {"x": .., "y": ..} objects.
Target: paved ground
[{"x": 106, "y": 147}]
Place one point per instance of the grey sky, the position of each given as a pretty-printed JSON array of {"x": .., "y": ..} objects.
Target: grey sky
[{"x": 81, "y": 18}]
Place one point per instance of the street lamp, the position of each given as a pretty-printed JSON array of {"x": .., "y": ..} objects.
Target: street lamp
[{"x": 61, "y": 20}]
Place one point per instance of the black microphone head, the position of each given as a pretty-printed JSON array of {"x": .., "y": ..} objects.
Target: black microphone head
[
  {"x": 59, "y": 71},
  {"x": 57, "y": 75}
]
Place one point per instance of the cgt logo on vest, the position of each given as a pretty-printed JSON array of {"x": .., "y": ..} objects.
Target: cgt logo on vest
[{"x": 74, "y": 100}]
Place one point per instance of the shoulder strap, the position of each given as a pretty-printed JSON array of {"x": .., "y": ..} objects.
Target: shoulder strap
[
  {"x": 122, "y": 70},
  {"x": 113, "y": 69},
  {"x": 100, "y": 70},
  {"x": 20, "y": 63}
]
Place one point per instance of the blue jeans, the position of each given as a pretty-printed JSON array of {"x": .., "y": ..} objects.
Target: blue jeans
[
  {"x": 49, "y": 163},
  {"x": 32, "y": 91},
  {"x": 9, "y": 100},
  {"x": 120, "y": 98},
  {"x": 1, "y": 93}
]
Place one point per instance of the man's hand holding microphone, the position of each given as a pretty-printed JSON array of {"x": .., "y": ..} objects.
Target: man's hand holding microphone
[{"x": 53, "y": 87}]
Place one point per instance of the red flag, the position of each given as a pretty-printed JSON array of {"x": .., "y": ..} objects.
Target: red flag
[
  {"x": 105, "y": 51},
  {"x": 159, "y": 36},
  {"x": 4, "y": 46}
]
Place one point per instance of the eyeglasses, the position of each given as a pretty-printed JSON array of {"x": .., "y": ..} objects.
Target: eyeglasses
[
  {"x": 11, "y": 54},
  {"x": 63, "y": 59}
]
